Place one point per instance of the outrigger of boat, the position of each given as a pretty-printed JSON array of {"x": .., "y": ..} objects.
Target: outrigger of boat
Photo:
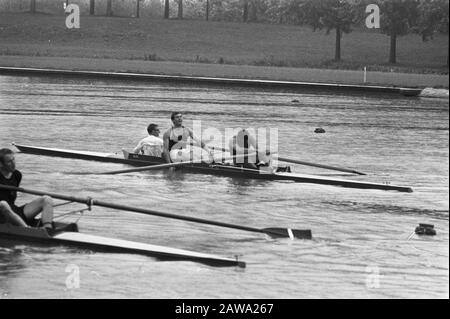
[
  {"x": 213, "y": 169},
  {"x": 68, "y": 235}
]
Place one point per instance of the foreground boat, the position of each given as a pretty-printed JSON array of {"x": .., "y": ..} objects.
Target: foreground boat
[
  {"x": 214, "y": 169},
  {"x": 68, "y": 235}
]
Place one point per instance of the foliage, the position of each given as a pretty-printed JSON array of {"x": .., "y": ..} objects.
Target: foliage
[
  {"x": 433, "y": 17},
  {"x": 398, "y": 17}
]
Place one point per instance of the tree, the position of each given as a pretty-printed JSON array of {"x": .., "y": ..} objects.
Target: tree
[
  {"x": 293, "y": 11},
  {"x": 397, "y": 18},
  {"x": 180, "y": 9},
  {"x": 207, "y": 10},
  {"x": 166, "y": 9},
  {"x": 275, "y": 11},
  {"x": 329, "y": 14},
  {"x": 92, "y": 7},
  {"x": 245, "y": 11},
  {"x": 109, "y": 12},
  {"x": 33, "y": 6},
  {"x": 433, "y": 18},
  {"x": 253, "y": 11}
]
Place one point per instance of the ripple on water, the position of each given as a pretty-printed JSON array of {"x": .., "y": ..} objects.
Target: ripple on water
[{"x": 360, "y": 236}]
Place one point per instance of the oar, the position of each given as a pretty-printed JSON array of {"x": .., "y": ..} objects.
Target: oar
[
  {"x": 149, "y": 167},
  {"x": 288, "y": 160},
  {"x": 160, "y": 166},
  {"x": 272, "y": 231}
]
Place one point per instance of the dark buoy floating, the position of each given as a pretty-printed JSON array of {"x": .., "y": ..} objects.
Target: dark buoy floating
[
  {"x": 319, "y": 130},
  {"x": 425, "y": 229}
]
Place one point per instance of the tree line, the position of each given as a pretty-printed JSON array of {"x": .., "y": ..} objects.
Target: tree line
[{"x": 397, "y": 17}]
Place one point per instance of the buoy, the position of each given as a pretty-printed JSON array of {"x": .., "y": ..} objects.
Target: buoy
[
  {"x": 319, "y": 130},
  {"x": 425, "y": 229}
]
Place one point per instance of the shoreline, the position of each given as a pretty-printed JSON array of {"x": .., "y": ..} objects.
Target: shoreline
[
  {"x": 165, "y": 70},
  {"x": 213, "y": 81}
]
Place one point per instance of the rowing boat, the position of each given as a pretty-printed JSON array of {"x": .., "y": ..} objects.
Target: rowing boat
[
  {"x": 213, "y": 169},
  {"x": 68, "y": 235}
]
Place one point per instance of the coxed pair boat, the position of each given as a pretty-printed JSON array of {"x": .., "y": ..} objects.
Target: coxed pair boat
[{"x": 213, "y": 169}]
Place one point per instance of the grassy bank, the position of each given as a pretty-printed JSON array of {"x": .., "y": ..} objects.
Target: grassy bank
[{"x": 202, "y": 42}]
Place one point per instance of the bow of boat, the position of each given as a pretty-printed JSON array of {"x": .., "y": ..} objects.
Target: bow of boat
[{"x": 67, "y": 234}]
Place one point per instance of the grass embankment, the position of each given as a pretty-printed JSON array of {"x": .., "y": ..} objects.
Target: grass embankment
[{"x": 222, "y": 43}]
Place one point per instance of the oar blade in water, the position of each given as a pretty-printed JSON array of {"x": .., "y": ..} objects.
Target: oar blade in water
[{"x": 288, "y": 233}]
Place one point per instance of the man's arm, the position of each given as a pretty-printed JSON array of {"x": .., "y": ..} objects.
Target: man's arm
[
  {"x": 138, "y": 148},
  {"x": 166, "y": 152},
  {"x": 231, "y": 144},
  {"x": 198, "y": 141},
  {"x": 252, "y": 142},
  {"x": 202, "y": 145}
]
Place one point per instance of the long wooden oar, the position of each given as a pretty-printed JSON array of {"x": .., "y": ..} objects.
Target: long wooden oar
[
  {"x": 294, "y": 161},
  {"x": 288, "y": 160},
  {"x": 272, "y": 231},
  {"x": 149, "y": 168},
  {"x": 161, "y": 166}
]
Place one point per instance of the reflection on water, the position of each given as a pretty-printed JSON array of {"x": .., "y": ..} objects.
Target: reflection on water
[{"x": 393, "y": 139}]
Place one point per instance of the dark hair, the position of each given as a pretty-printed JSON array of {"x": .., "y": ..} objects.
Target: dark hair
[
  {"x": 3, "y": 153},
  {"x": 151, "y": 127},
  {"x": 172, "y": 116}
]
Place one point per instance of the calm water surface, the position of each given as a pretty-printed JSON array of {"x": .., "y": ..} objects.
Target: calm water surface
[{"x": 360, "y": 246}]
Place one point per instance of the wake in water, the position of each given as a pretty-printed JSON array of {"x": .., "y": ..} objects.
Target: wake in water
[{"x": 438, "y": 93}]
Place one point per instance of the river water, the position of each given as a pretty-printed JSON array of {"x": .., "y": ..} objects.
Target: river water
[{"x": 362, "y": 246}]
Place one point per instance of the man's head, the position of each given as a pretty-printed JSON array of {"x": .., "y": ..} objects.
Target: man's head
[
  {"x": 7, "y": 160},
  {"x": 177, "y": 118},
  {"x": 153, "y": 129}
]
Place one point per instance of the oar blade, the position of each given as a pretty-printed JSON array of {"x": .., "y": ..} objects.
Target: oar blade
[
  {"x": 288, "y": 233},
  {"x": 302, "y": 233},
  {"x": 341, "y": 169}
]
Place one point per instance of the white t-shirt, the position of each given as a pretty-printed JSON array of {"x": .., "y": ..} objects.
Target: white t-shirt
[{"x": 151, "y": 145}]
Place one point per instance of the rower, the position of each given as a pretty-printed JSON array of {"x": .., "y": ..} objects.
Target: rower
[
  {"x": 151, "y": 145},
  {"x": 24, "y": 215},
  {"x": 244, "y": 143},
  {"x": 176, "y": 146}
]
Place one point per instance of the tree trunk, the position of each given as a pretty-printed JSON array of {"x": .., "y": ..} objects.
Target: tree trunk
[
  {"x": 33, "y": 6},
  {"x": 92, "y": 7},
  {"x": 207, "y": 10},
  {"x": 337, "y": 53},
  {"x": 137, "y": 8},
  {"x": 180, "y": 9},
  {"x": 109, "y": 12},
  {"x": 253, "y": 11},
  {"x": 166, "y": 9},
  {"x": 393, "y": 49},
  {"x": 245, "y": 11}
]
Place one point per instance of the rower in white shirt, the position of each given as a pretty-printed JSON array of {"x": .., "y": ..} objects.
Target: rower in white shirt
[{"x": 152, "y": 145}]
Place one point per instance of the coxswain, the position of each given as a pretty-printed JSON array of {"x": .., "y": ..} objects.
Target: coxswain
[{"x": 151, "y": 145}]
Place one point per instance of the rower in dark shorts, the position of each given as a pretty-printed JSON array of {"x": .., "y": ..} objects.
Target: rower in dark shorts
[
  {"x": 180, "y": 144},
  {"x": 20, "y": 215},
  {"x": 243, "y": 144}
]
